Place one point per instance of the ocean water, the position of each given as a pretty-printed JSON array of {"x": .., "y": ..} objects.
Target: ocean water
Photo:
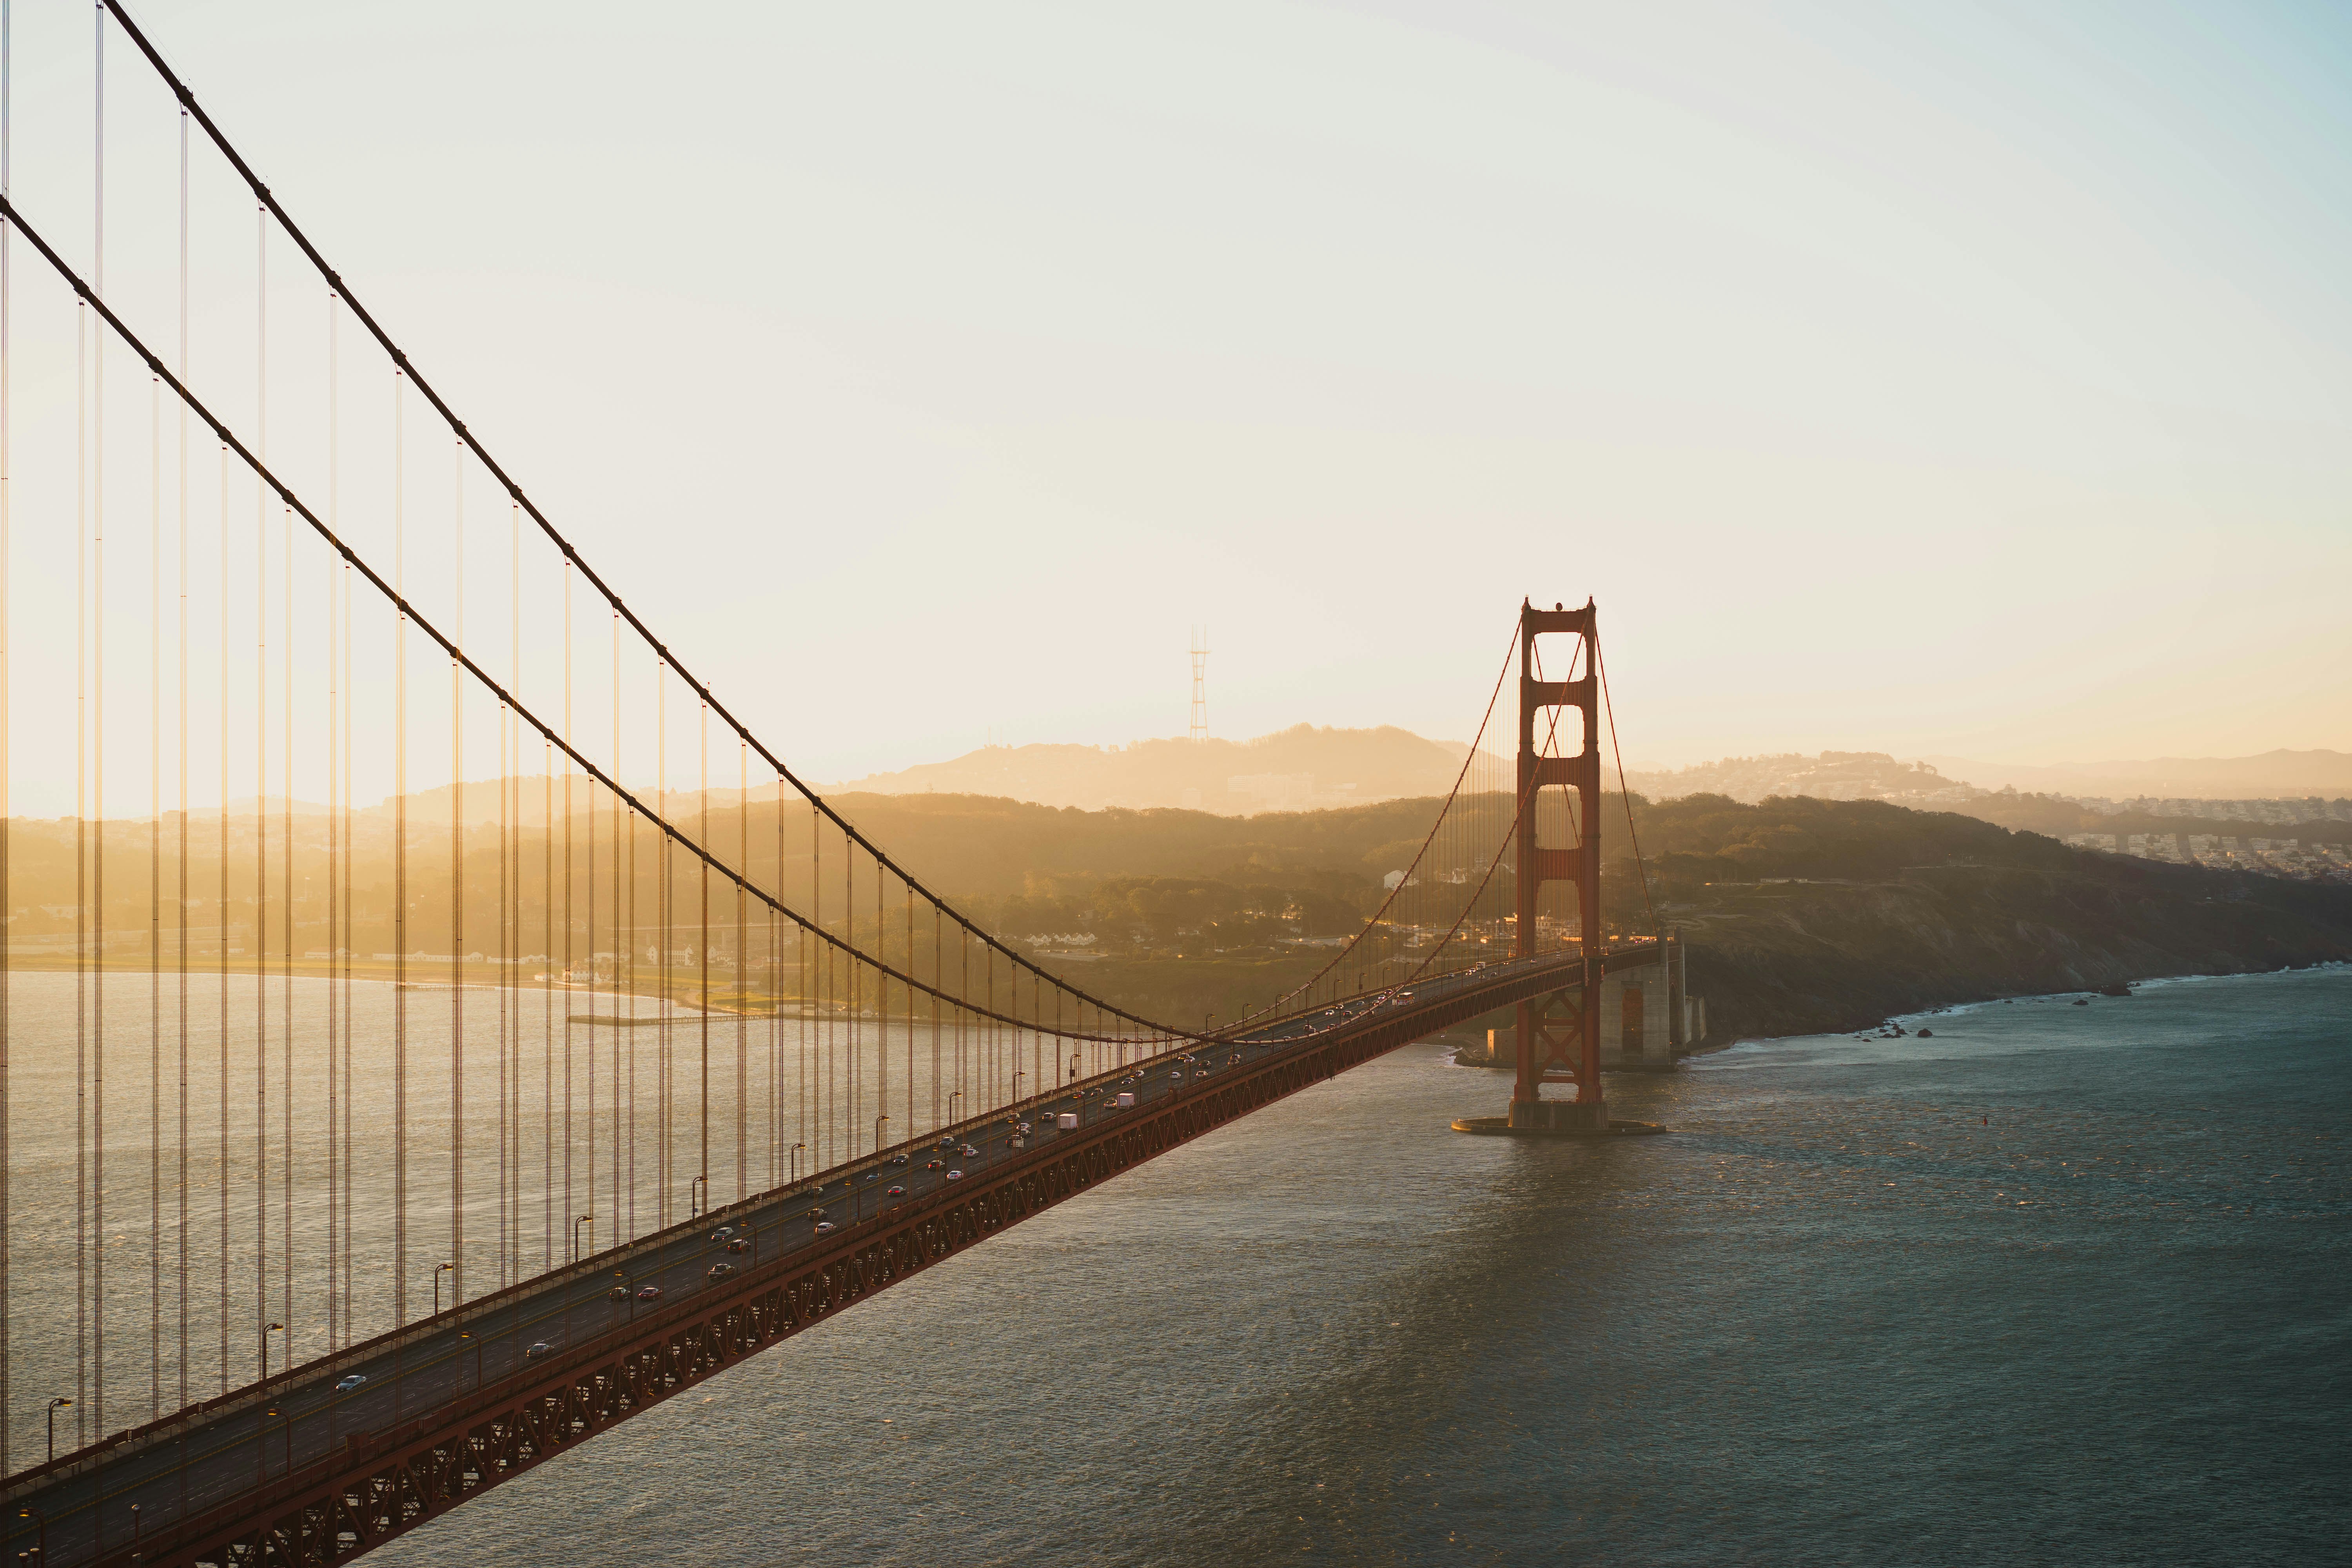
[{"x": 2058, "y": 1285}]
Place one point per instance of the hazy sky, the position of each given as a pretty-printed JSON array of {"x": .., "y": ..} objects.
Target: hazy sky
[{"x": 1928, "y": 378}]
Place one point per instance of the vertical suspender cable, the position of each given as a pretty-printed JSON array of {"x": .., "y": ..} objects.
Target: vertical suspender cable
[
  {"x": 458, "y": 888},
  {"x": 664, "y": 1171},
  {"x": 547, "y": 1008},
  {"x": 399, "y": 856},
  {"x": 350, "y": 632},
  {"x": 588, "y": 930},
  {"x": 98, "y": 774},
  {"x": 702, "y": 831},
  {"x": 908, "y": 892},
  {"x": 81, "y": 871},
  {"x": 939, "y": 959},
  {"x": 854, "y": 1053},
  {"x": 510, "y": 920},
  {"x": 566, "y": 973},
  {"x": 803, "y": 946},
  {"x": 156, "y": 899},
  {"x": 777, "y": 1164},
  {"x": 628, "y": 947},
  {"x": 336, "y": 937},
  {"x": 813, "y": 990},
  {"x": 285, "y": 946},
  {"x": 743, "y": 871},
  {"x": 261, "y": 784},
  {"x": 7, "y": 60},
  {"x": 221, "y": 1081},
  {"x": 621, "y": 937},
  {"x": 180, "y": 882}
]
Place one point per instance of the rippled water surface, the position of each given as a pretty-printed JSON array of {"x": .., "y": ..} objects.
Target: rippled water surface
[{"x": 2062, "y": 1285}]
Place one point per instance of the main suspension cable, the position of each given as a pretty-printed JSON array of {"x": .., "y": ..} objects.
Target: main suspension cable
[{"x": 702, "y": 692}]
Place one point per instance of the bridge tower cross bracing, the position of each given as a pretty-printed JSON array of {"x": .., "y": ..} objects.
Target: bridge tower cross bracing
[{"x": 1560, "y": 1037}]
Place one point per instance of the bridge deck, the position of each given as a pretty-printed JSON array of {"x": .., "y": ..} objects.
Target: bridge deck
[{"x": 201, "y": 1478}]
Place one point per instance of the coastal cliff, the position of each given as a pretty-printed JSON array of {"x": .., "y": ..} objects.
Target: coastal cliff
[{"x": 1808, "y": 916}]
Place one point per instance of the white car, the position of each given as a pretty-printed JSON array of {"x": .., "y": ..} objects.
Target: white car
[{"x": 955, "y": 1175}]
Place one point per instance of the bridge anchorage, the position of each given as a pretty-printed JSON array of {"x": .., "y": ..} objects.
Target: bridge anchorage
[{"x": 1558, "y": 1033}]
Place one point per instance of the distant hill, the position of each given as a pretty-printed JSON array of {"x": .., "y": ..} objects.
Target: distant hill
[
  {"x": 1832, "y": 775},
  {"x": 1802, "y": 914},
  {"x": 2272, "y": 775},
  {"x": 1956, "y": 783},
  {"x": 1298, "y": 768}
]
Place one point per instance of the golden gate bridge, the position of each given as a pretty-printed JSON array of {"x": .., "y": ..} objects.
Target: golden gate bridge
[{"x": 356, "y": 1157}]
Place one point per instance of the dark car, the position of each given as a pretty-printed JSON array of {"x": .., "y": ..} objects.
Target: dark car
[
  {"x": 817, "y": 1213},
  {"x": 738, "y": 1245},
  {"x": 895, "y": 1192},
  {"x": 538, "y": 1349},
  {"x": 935, "y": 1165},
  {"x": 898, "y": 1159},
  {"x": 649, "y": 1293},
  {"x": 719, "y": 1270}
]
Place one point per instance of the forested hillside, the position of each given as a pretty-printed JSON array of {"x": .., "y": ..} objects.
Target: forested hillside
[{"x": 1802, "y": 913}]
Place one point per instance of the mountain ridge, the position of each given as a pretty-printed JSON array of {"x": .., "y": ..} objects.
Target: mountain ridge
[{"x": 1303, "y": 767}]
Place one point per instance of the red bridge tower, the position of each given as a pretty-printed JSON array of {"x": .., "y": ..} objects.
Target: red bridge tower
[{"x": 1560, "y": 1036}]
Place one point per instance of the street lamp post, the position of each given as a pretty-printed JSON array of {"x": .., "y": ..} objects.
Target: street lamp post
[
  {"x": 796, "y": 1158},
  {"x": 877, "y": 1131},
  {"x": 577, "y": 1223},
  {"x": 951, "y": 1106},
  {"x": 1074, "y": 1066},
  {"x": 267, "y": 1330},
  {"x": 439, "y": 1270},
  {"x": 41, "y": 1522},
  {"x": 56, "y": 1406},
  {"x": 693, "y": 1202},
  {"x": 134, "y": 1532}
]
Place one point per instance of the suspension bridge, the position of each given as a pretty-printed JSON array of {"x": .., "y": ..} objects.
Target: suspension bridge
[{"x": 440, "y": 1028}]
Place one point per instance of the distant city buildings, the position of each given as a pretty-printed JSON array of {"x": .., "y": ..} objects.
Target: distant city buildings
[{"x": 2272, "y": 856}]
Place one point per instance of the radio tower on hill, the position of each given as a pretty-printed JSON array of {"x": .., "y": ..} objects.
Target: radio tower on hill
[{"x": 1200, "y": 683}]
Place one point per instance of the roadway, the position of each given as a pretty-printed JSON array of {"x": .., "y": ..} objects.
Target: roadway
[{"x": 310, "y": 1412}]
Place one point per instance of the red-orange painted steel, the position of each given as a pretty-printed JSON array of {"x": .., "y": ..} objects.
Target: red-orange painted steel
[{"x": 1559, "y": 1039}]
